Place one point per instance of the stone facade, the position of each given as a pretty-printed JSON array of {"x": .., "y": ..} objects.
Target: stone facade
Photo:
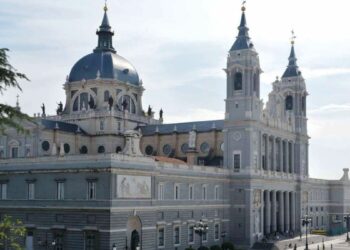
[{"x": 105, "y": 174}]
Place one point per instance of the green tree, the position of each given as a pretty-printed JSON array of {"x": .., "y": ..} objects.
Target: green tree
[
  {"x": 9, "y": 77},
  {"x": 12, "y": 233}
]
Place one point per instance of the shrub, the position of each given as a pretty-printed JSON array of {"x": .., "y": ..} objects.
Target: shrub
[
  {"x": 227, "y": 246},
  {"x": 215, "y": 247},
  {"x": 203, "y": 248},
  {"x": 189, "y": 248}
]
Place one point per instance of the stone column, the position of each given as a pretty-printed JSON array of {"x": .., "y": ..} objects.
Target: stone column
[
  {"x": 267, "y": 149},
  {"x": 273, "y": 154},
  {"x": 267, "y": 212},
  {"x": 287, "y": 211},
  {"x": 281, "y": 155},
  {"x": 273, "y": 212},
  {"x": 287, "y": 157},
  {"x": 281, "y": 212},
  {"x": 292, "y": 153},
  {"x": 262, "y": 209},
  {"x": 292, "y": 211}
]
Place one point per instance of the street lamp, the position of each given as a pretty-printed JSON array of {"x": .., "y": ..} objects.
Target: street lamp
[
  {"x": 200, "y": 229},
  {"x": 347, "y": 220},
  {"x": 305, "y": 222},
  {"x": 114, "y": 247},
  {"x": 223, "y": 235}
]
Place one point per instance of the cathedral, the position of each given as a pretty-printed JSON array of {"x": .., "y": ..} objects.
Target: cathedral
[{"x": 103, "y": 173}]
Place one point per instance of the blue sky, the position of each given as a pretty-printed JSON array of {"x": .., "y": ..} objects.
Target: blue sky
[{"x": 179, "y": 49}]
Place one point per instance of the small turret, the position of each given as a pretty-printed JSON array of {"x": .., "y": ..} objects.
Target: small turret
[{"x": 105, "y": 35}]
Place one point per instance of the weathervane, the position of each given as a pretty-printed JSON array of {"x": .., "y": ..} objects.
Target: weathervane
[
  {"x": 292, "y": 39},
  {"x": 243, "y": 5}
]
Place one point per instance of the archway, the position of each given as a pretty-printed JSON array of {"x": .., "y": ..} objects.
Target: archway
[{"x": 134, "y": 233}]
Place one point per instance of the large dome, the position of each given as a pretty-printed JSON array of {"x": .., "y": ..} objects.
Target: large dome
[
  {"x": 105, "y": 65},
  {"x": 104, "y": 62}
]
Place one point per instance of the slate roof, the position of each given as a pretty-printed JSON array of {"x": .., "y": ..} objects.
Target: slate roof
[
  {"x": 292, "y": 68},
  {"x": 61, "y": 126},
  {"x": 243, "y": 39},
  {"x": 199, "y": 126}
]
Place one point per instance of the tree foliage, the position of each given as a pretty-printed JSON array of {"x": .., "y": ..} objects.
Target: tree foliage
[
  {"x": 9, "y": 77},
  {"x": 12, "y": 232}
]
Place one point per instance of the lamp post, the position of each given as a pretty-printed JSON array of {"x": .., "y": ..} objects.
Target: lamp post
[
  {"x": 347, "y": 220},
  {"x": 200, "y": 229},
  {"x": 114, "y": 247},
  {"x": 305, "y": 222}
]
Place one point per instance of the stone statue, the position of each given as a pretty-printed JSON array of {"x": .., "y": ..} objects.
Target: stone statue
[
  {"x": 59, "y": 109},
  {"x": 43, "y": 110},
  {"x": 192, "y": 139},
  {"x": 125, "y": 105},
  {"x": 92, "y": 103},
  {"x": 161, "y": 114},
  {"x": 110, "y": 102},
  {"x": 149, "y": 111}
]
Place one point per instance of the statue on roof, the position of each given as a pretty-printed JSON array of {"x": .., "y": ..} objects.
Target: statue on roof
[
  {"x": 110, "y": 102},
  {"x": 149, "y": 111},
  {"x": 43, "y": 110},
  {"x": 161, "y": 114},
  {"x": 59, "y": 109},
  {"x": 125, "y": 105},
  {"x": 92, "y": 103}
]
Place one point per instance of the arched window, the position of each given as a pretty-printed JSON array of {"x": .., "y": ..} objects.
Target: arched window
[
  {"x": 106, "y": 96},
  {"x": 127, "y": 103},
  {"x": 83, "y": 101},
  {"x": 289, "y": 102},
  {"x": 237, "y": 81}
]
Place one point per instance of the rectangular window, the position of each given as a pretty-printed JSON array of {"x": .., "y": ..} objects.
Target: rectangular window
[
  {"x": 176, "y": 192},
  {"x": 3, "y": 191},
  {"x": 216, "y": 232},
  {"x": 176, "y": 235},
  {"x": 14, "y": 152},
  {"x": 60, "y": 190},
  {"x": 205, "y": 236},
  {"x": 160, "y": 191},
  {"x": 190, "y": 192},
  {"x": 236, "y": 161},
  {"x": 216, "y": 192},
  {"x": 91, "y": 195},
  {"x": 191, "y": 234},
  {"x": 204, "y": 192},
  {"x": 91, "y": 241},
  {"x": 161, "y": 237},
  {"x": 31, "y": 191}
]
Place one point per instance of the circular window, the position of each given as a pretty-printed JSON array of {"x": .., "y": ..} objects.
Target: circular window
[
  {"x": 101, "y": 149},
  {"x": 149, "y": 150},
  {"x": 45, "y": 145},
  {"x": 184, "y": 148},
  {"x": 167, "y": 149},
  {"x": 222, "y": 146},
  {"x": 66, "y": 148},
  {"x": 83, "y": 150},
  {"x": 205, "y": 147},
  {"x": 118, "y": 149}
]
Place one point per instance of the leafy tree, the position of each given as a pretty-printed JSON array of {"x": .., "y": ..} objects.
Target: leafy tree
[
  {"x": 215, "y": 247},
  {"x": 11, "y": 233},
  {"x": 227, "y": 246},
  {"x": 9, "y": 77}
]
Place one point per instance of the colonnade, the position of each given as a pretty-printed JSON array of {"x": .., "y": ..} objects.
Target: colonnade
[
  {"x": 279, "y": 211},
  {"x": 277, "y": 154}
]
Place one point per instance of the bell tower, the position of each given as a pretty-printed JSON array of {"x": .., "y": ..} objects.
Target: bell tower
[{"x": 243, "y": 105}]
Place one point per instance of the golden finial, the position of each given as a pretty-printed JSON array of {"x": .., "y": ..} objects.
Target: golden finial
[
  {"x": 105, "y": 8},
  {"x": 243, "y": 5},
  {"x": 292, "y": 39}
]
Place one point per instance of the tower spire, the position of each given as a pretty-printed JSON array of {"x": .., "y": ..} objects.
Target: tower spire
[
  {"x": 243, "y": 39},
  {"x": 292, "y": 68},
  {"x": 105, "y": 34}
]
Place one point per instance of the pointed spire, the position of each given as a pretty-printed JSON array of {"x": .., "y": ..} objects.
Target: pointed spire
[
  {"x": 292, "y": 68},
  {"x": 243, "y": 39},
  {"x": 105, "y": 35}
]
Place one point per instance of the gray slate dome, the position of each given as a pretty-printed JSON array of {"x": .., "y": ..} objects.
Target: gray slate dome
[
  {"x": 104, "y": 62},
  {"x": 108, "y": 65}
]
